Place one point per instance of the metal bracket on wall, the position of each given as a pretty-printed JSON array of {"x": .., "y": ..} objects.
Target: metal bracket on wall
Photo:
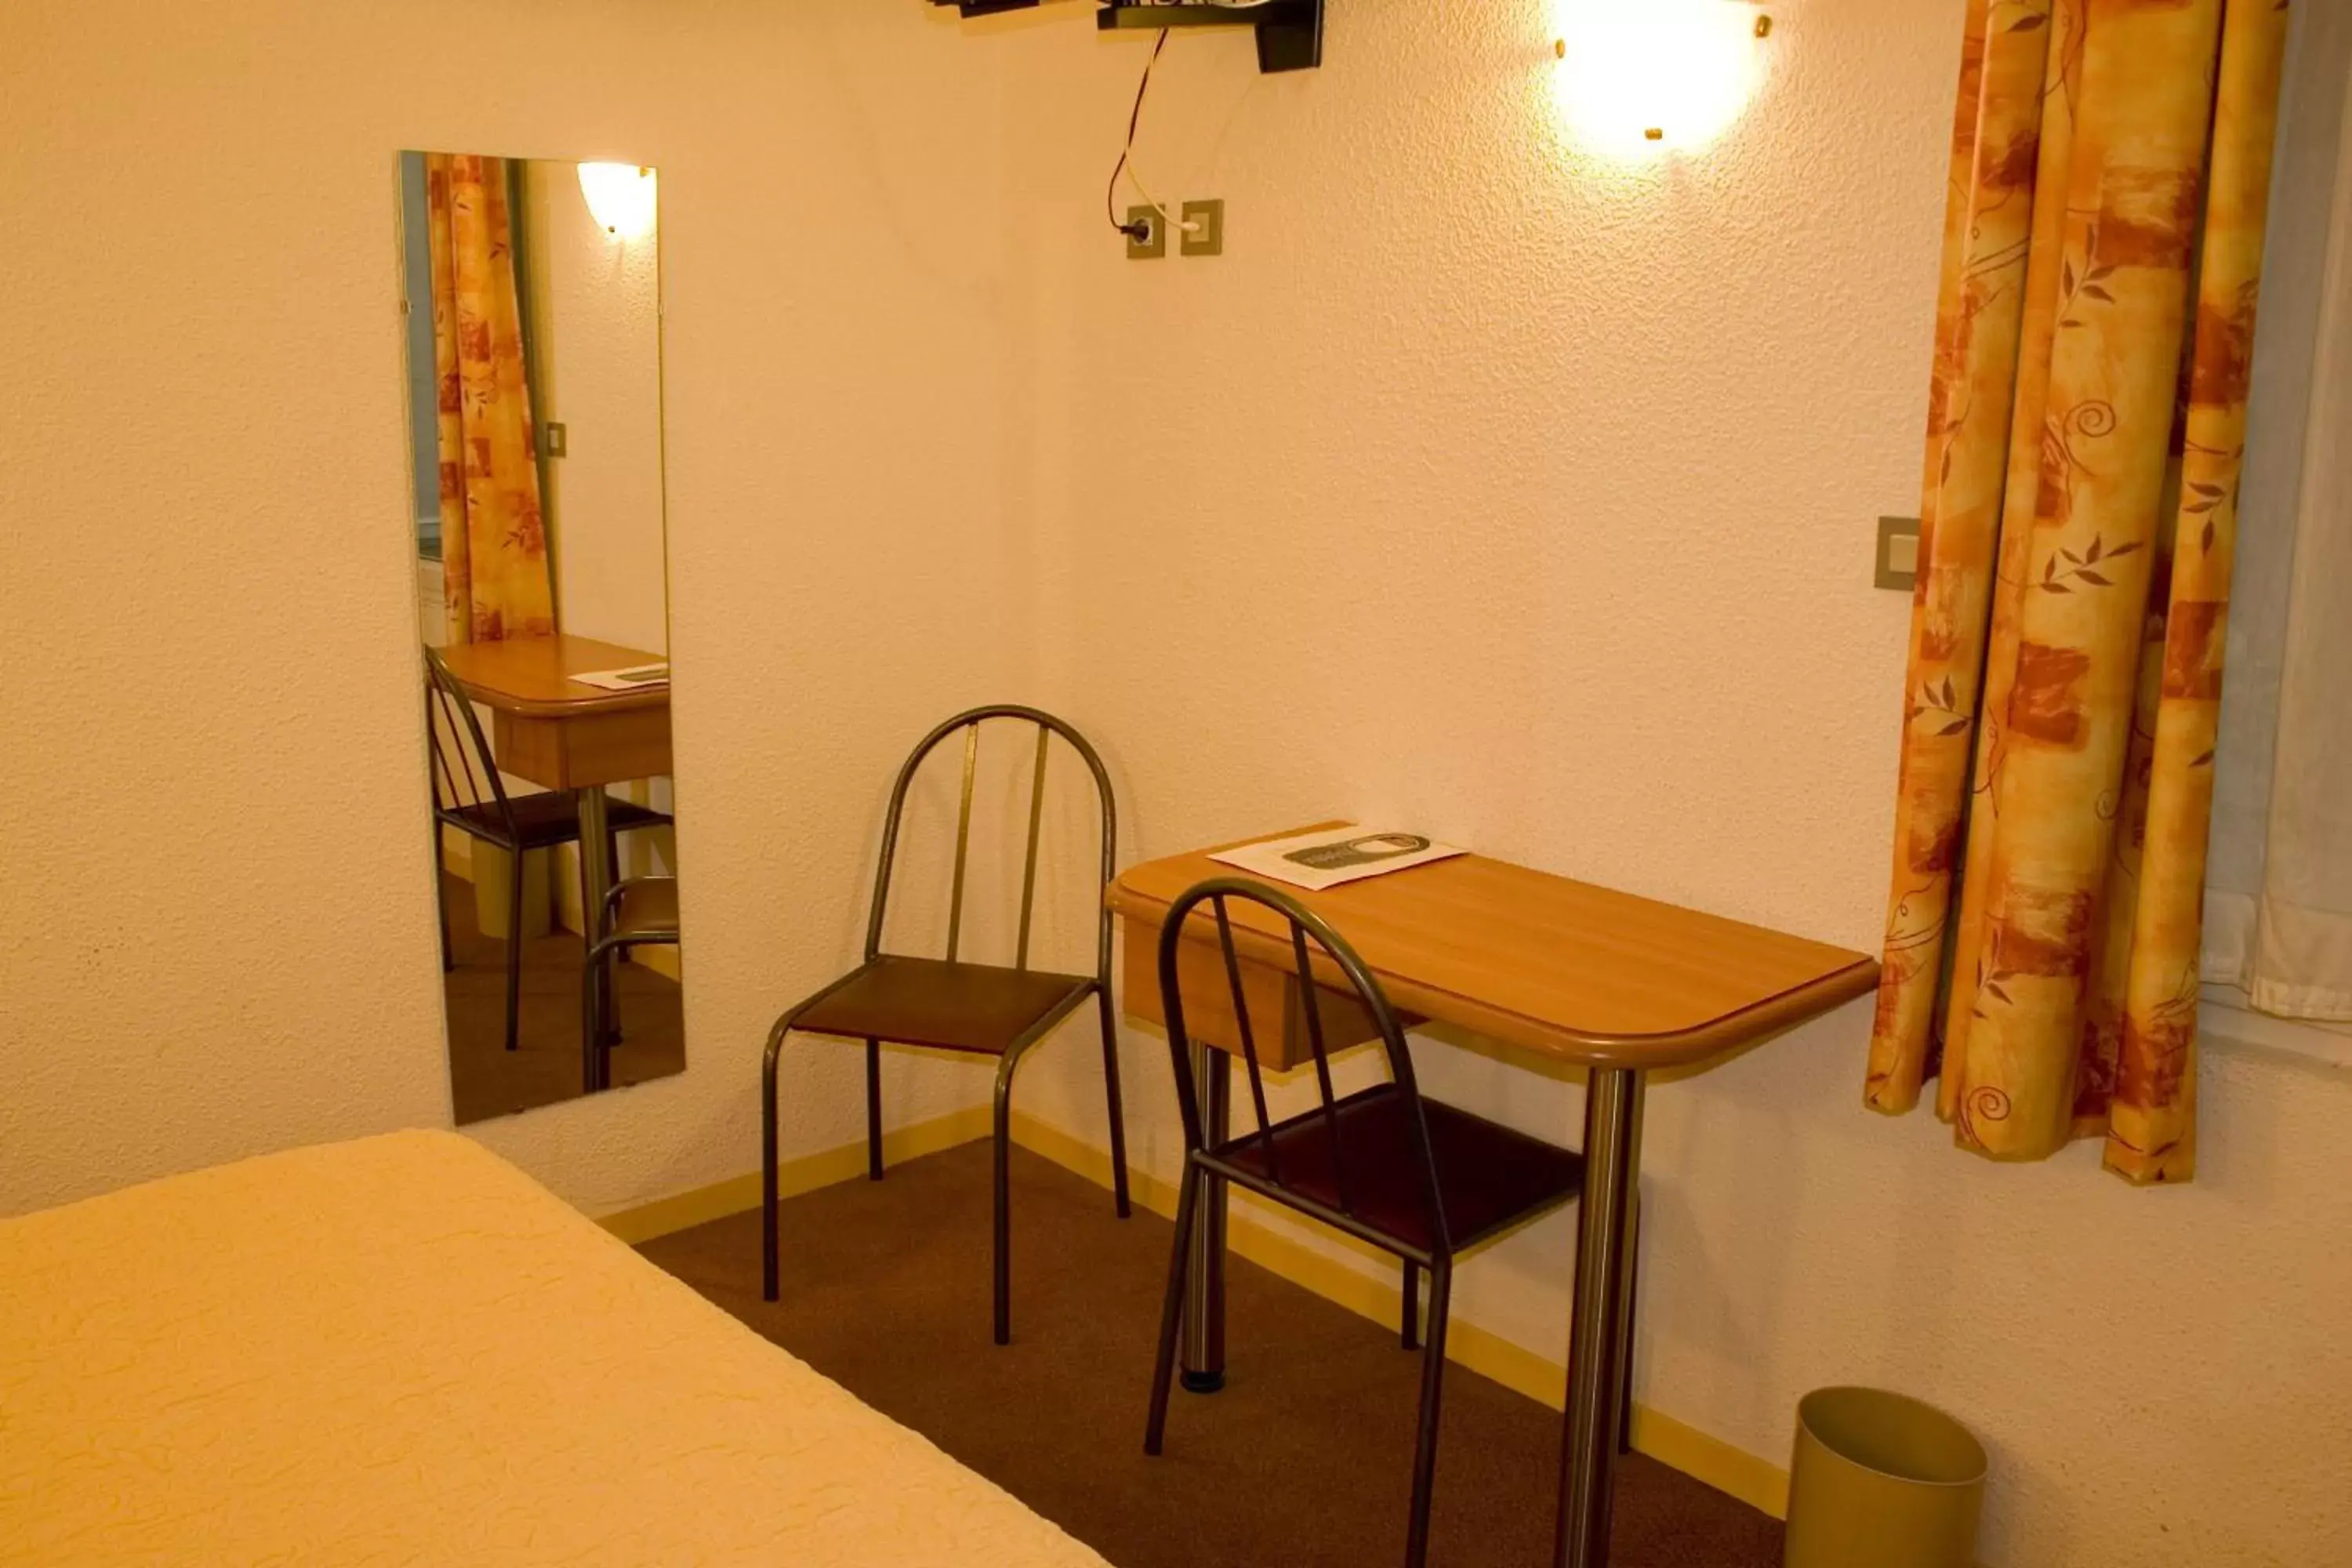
[{"x": 1289, "y": 32}]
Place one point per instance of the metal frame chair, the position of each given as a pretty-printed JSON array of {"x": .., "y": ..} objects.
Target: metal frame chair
[
  {"x": 639, "y": 912},
  {"x": 1414, "y": 1177},
  {"x": 978, "y": 1008},
  {"x": 468, "y": 795}
]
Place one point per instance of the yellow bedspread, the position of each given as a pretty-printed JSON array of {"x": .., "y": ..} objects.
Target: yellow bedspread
[{"x": 403, "y": 1350}]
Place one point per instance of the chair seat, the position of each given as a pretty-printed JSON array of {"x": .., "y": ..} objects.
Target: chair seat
[
  {"x": 646, "y": 907},
  {"x": 1489, "y": 1177},
  {"x": 953, "y": 1007},
  {"x": 552, "y": 818}
]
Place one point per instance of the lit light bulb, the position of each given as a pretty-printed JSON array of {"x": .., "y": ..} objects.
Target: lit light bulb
[
  {"x": 1637, "y": 77},
  {"x": 620, "y": 197}
]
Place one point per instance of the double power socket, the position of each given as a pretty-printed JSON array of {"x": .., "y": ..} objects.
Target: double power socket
[{"x": 1200, "y": 230}]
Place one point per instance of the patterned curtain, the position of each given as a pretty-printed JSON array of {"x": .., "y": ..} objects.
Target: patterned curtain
[
  {"x": 2110, "y": 180},
  {"x": 495, "y": 576}
]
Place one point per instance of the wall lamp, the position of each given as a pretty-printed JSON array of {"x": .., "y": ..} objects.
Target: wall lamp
[{"x": 1644, "y": 75}]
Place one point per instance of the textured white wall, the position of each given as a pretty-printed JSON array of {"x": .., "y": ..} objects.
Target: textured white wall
[
  {"x": 226, "y": 940},
  {"x": 1584, "y": 461},
  {"x": 1529, "y": 501}
]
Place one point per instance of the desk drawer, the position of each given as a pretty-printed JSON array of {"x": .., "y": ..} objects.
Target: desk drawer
[
  {"x": 1276, "y": 1004},
  {"x": 596, "y": 748}
]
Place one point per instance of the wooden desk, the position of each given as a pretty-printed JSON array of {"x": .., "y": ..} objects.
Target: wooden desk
[
  {"x": 1558, "y": 968},
  {"x": 554, "y": 732}
]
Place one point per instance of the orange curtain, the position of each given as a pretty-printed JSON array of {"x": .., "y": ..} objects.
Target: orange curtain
[
  {"x": 2109, "y": 186},
  {"x": 494, "y": 570}
]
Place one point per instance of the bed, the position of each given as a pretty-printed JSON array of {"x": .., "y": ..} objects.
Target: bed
[{"x": 402, "y": 1350}]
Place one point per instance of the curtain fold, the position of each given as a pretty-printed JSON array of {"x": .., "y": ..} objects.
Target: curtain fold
[
  {"x": 2110, "y": 176},
  {"x": 496, "y": 580}
]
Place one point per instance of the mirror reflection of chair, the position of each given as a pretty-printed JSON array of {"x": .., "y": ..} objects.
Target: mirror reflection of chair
[
  {"x": 468, "y": 795},
  {"x": 1412, "y": 1177},
  {"x": 639, "y": 912},
  {"x": 947, "y": 1005}
]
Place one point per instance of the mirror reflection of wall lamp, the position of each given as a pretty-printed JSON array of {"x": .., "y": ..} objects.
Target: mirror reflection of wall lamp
[
  {"x": 1289, "y": 32},
  {"x": 620, "y": 197}
]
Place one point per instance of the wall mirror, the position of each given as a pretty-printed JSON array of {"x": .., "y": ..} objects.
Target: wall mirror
[{"x": 531, "y": 297}]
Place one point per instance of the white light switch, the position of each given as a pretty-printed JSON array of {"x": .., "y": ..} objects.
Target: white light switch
[{"x": 1897, "y": 561}]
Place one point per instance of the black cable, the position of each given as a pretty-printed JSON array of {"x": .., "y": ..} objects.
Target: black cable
[{"x": 1139, "y": 230}]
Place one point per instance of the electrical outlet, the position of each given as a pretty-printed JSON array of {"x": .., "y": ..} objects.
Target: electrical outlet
[
  {"x": 1154, "y": 243},
  {"x": 1203, "y": 228},
  {"x": 1898, "y": 552}
]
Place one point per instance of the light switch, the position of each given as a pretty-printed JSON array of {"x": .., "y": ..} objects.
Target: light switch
[
  {"x": 1898, "y": 552},
  {"x": 556, "y": 438}
]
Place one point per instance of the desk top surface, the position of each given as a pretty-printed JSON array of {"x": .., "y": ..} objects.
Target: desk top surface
[
  {"x": 1560, "y": 967},
  {"x": 533, "y": 675}
]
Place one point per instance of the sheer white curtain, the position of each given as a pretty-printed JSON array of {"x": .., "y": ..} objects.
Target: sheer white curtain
[{"x": 2278, "y": 919}]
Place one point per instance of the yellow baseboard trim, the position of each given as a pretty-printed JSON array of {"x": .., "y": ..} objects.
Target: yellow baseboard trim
[
  {"x": 1754, "y": 1480},
  {"x": 739, "y": 1195}
]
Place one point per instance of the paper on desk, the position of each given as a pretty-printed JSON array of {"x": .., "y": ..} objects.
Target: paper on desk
[
  {"x": 631, "y": 679},
  {"x": 1331, "y": 855}
]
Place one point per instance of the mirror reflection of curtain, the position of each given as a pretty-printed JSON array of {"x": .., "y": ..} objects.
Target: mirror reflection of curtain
[{"x": 495, "y": 577}]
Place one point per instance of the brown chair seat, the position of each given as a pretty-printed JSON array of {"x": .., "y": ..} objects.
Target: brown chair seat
[
  {"x": 645, "y": 907},
  {"x": 953, "y": 1007},
  {"x": 542, "y": 819},
  {"x": 1488, "y": 1176}
]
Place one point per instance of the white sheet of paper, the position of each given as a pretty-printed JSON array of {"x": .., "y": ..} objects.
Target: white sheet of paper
[
  {"x": 1329, "y": 857},
  {"x": 631, "y": 679}
]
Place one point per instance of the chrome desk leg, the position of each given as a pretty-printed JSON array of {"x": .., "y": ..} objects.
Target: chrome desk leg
[
  {"x": 1597, "y": 1335},
  {"x": 595, "y": 881},
  {"x": 1204, "y": 1276}
]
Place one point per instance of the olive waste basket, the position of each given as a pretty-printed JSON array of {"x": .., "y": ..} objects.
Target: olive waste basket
[{"x": 1881, "y": 1480}]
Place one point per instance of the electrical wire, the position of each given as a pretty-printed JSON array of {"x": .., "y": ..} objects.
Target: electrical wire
[{"x": 1125, "y": 164}]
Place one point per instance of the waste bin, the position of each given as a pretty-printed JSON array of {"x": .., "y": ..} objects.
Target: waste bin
[{"x": 1882, "y": 1480}]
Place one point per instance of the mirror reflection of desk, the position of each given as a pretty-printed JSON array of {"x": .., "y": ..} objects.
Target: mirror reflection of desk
[
  {"x": 1617, "y": 984},
  {"x": 560, "y": 733}
]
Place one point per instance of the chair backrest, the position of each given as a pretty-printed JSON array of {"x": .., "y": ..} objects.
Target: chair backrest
[
  {"x": 1304, "y": 933},
  {"x": 463, "y": 778},
  {"x": 968, "y": 724}
]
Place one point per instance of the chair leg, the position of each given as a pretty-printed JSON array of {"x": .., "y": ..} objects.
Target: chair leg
[
  {"x": 768, "y": 1269},
  {"x": 1118, "y": 1116},
  {"x": 608, "y": 1011},
  {"x": 441, "y": 900},
  {"x": 1000, "y": 1249},
  {"x": 592, "y": 1067},
  {"x": 1171, "y": 1312},
  {"x": 514, "y": 949},
  {"x": 873, "y": 1110},
  {"x": 1632, "y": 1296},
  {"x": 1409, "y": 1311},
  {"x": 1433, "y": 1374}
]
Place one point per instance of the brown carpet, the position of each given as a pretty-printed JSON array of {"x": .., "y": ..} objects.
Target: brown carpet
[
  {"x": 485, "y": 1077},
  {"x": 1303, "y": 1459}
]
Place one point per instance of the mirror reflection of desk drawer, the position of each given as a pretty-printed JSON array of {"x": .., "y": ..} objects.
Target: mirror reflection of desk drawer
[
  {"x": 587, "y": 749},
  {"x": 1277, "y": 1005}
]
